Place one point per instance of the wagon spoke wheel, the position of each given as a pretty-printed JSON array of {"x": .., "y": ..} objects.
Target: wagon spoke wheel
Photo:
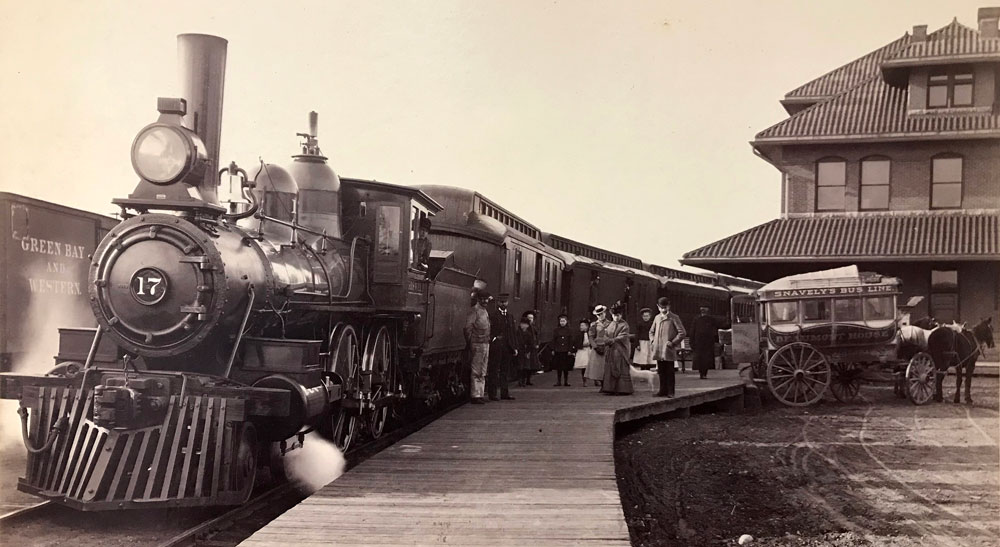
[
  {"x": 845, "y": 383},
  {"x": 798, "y": 374},
  {"x": 920, "y": 378},
  {"x": 378, "y": 366},
  {"x": 345, "y": 360}
]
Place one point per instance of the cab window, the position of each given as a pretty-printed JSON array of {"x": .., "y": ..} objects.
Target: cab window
[
  {"x": 879, "y": 308},
  {"x": 816, "y": 310},
  {"x": 783, "y": 312},
  {"x": 847, "y": 309}
]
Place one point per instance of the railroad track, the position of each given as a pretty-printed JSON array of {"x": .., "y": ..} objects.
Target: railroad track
[{"x": 47, "y": 523}]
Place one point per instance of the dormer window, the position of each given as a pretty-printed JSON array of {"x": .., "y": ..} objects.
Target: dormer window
[{"x": 950, "y": 87}]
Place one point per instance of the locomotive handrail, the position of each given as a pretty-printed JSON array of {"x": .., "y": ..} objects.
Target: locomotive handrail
[
  {"x": 93, "y": 347},
  {"x": 243, "y": 326}
]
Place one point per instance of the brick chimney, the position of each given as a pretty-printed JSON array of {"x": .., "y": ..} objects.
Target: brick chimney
[
  {"x": 919, "y": 34},
  {"x": 988, "y": 19}
]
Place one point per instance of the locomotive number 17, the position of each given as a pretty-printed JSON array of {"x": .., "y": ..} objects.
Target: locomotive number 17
[{"x": 149, "y": 286}]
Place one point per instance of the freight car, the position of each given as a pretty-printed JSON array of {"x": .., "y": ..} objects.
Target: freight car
[{"x": 45, "y": 251}]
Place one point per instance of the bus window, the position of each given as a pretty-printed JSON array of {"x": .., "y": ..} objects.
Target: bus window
[
  {"x": 879, "y": 308},
  {"x": 816, "y": 310},
  {"x": 847, "y": 309},
  {"x": 783, "y": 312}
]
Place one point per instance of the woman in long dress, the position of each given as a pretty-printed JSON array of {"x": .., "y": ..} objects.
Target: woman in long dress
[
  {"x": 583, "y": 350},
  {"x": 617, "y": 348},
  {"x": 595, "y": 368}
]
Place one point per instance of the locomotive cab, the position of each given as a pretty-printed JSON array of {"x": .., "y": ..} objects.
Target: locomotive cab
[{"x": 390, "y": 216}]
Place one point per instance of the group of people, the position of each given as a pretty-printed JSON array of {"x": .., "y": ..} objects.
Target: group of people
[
  {"x": 499, "y": 351},
  {"x": 601, "y": 348}
]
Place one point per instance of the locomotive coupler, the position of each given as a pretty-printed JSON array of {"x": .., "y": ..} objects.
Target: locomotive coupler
[{"x": 130, "y": 403}]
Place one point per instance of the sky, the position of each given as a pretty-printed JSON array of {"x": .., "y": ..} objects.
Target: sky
[{"x": 622, "y": 124}]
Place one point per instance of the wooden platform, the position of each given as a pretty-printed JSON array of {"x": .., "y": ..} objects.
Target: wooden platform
[{"x": 535, "y": 471}]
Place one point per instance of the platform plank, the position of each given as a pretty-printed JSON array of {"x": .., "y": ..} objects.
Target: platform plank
[{"x": 535, "y": 471}]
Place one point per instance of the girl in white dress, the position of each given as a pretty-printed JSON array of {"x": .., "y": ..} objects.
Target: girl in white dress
[{"x": 582, "y": 345}]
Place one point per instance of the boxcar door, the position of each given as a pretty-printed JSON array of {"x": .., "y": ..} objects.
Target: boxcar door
[{"x": 746, "y": 329}]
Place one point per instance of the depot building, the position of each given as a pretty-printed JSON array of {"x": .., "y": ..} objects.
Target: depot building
[{"x": 890, "y": 162}]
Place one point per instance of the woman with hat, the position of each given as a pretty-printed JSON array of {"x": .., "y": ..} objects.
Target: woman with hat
[
  {"x": 615, "y": 339},
  {"x": 595, "y": 369}
]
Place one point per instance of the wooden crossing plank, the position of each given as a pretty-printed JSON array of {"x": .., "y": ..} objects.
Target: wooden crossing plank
[{"x": 535, "y": 471}]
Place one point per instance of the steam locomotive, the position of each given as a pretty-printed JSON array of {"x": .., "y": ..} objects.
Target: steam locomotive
[{"x": 226, "y": 332}]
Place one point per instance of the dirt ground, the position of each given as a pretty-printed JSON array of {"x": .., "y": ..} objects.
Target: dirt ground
[{"x": 876, "y": 472}]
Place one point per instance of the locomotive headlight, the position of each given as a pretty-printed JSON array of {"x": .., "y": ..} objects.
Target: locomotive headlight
[{"x": 165, "y": 154}]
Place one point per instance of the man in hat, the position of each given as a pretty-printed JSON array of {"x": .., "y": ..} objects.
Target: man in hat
[
  {"x": 502, "y": 349},
  {"x": 422, "y": 245},
  {"x": 477, "y": 335},
  {"x": 665, "y": 336},
  {"x": 704, "y": 336}
]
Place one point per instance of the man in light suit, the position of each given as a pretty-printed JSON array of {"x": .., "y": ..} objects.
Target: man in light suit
[{"x": 665, "y": 336}]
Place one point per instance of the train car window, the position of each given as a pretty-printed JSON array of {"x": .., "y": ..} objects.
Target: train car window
[
  {"x": 816, "y": 310},
  {"x": 783, "y": 312},
  {"x": 879, "y": 308},
  {"x": 388, "y": 230},
  {"x": 548, "y": 281},
  {"x": 847, "y": 309},
  {"x": 517, "y": 273}
]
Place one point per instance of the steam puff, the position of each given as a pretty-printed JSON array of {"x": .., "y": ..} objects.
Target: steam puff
[{"x": 314, "y": 465}]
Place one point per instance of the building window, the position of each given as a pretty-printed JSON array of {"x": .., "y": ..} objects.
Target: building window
[
  {"x": 517, "y": 273},
  {"x": 950, "y": 87},
  {"x": 831, "y": 180},
  {"x": 944, "y": 295},
  {"x": 946, "y": 182},
  {"x": 874, "y": 184}
]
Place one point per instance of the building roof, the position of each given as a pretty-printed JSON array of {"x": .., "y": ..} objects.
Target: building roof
[
  {"x": 952, "y": 43},
  {"x": 867, "y": 99},
  {"x": 875, "y": 110},
  {"x": 955, "y": 235},
  {"x": 843, "y": 78}
]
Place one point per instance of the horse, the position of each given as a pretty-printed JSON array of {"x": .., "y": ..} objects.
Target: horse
[{"x": 954, "y": 345}]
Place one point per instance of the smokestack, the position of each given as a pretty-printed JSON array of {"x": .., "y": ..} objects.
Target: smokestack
[
  {"x": 988, "y": 19},
  {"x": 919, "y": 34},
  {"x": 202, "y": 62}
]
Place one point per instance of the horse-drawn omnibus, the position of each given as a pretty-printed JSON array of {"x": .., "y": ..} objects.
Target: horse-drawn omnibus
[{"x": 813, "y": 332}]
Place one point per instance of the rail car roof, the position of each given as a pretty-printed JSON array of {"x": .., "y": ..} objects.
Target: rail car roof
[
  {"x": 18, "y": 198},
  {"x": 594, "y": 253},
  {"x": 847, "y": 280},
  {"x": 571, "y": 259},
  {"x": 414, "y": 192},
  {"x": 459, "y": 203},
  {"x": 674, "y": 280}
]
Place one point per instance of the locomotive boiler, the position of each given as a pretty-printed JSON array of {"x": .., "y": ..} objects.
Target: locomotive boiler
[{"x": 226, "y": 333}]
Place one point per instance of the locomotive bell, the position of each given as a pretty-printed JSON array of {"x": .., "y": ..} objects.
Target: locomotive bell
[{"x": 319, "y": 186}]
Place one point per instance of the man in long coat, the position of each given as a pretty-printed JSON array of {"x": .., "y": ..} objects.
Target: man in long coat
[
  {"x": 502, "y": 350},
  {"x": 665, "y": 337},
  {"x": 704, "y": 335}
]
